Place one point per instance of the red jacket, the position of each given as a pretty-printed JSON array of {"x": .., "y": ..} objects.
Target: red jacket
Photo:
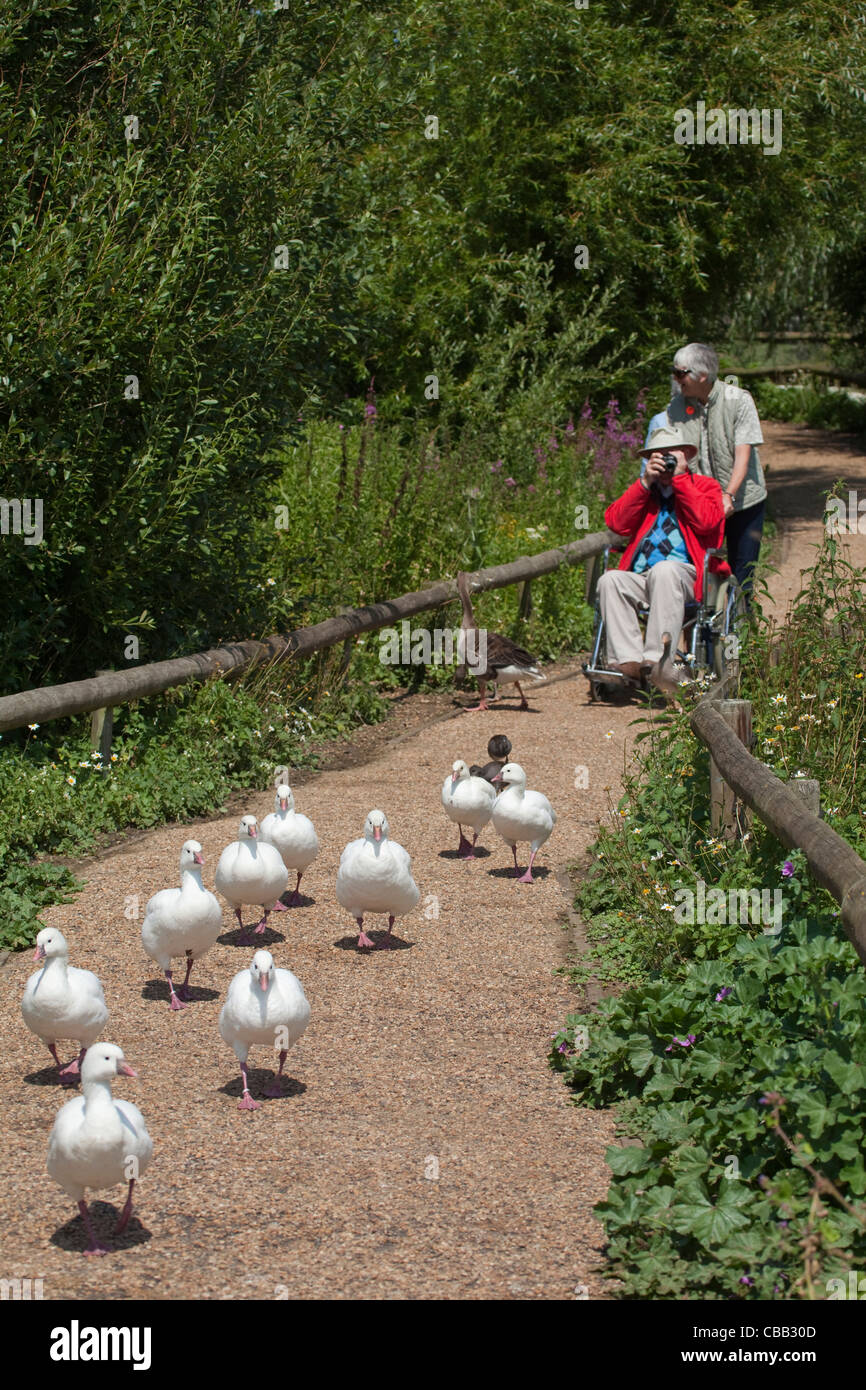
[{"x": 699, "y": 512}]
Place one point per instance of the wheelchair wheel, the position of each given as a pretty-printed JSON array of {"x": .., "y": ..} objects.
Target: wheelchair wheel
[{"x": 728, "y": 621}]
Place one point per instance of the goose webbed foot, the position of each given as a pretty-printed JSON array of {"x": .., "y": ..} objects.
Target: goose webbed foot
[
  {"x": 95, "y": 1247},
  {"x": 465, "y": 850},
  {"x": 246, "y": 1101},
  {"x": 274, "y": 1090},
  {"x": 363, "y": 938},
  {"x": 527, "y": 877},
  {"x": 387, "y": 943},
  {"x": 123, "y": 1219},
  {"x": 174, "y": 1002}
]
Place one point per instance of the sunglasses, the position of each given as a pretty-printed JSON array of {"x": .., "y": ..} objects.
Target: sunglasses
[{"x": 680, "y": 372}]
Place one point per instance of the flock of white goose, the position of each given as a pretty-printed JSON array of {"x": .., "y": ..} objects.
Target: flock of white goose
[{"x": 97, "y": 1140}]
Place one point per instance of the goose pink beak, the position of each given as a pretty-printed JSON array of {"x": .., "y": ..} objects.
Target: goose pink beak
[
  {"x": 264, "y": 978},
  {"x": 39, "y": 953},
  {"x": 253, "y": 832},
  {"x": 377, "y": 832},
  {"x": 124, "y": 1069},
  {"x": 199, "y": 858},
  {"x": 284, "y": 803}
]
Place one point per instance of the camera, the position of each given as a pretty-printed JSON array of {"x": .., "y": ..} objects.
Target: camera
[{"x": 670, "y": 463}]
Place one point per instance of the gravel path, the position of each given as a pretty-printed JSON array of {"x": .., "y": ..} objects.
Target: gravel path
[
  {"x": 425, "y": 1060},
  {"x": 802, "y": 464},
  {"x": 423, "y": 1149}
]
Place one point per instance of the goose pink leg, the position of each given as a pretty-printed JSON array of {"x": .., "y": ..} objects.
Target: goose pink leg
[
  {"x": 482, "y": 699},
  {"x": 246, "y": 1101},
  {"x": 95, "y": 1247},
  {"x": 65, "y": 1079},
  {"x": 183, "y": 992},
  {"x": 386, "y": 944},
  {"x": 123, "y": 1219},
  {"x": 296, "y": 896},
  {"x": 527, "y": 877},
  {"x": 363, "y": 938},
  {"x": 72, "y": 1070},
  {"x": 175, "y": 1002},
  {"x": 275, "y": 1089},
  {"x": 264, "y": 922},
  {"x": 464, "y": 849},
  {"x": 244, "y": 939},
  {"x": 516, "y": 865}
]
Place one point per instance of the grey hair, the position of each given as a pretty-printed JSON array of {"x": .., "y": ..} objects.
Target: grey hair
[{"x": 699, "y": 359}]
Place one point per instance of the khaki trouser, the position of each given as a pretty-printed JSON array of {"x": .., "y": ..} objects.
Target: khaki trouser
[{"x": 665, "y": 587}]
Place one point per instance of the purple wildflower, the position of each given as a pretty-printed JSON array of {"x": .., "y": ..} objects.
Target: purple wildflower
[
  {"x": 370, "y": 410},
  {"x": 569, "y": 429},
  {"x": 495, "y": 467},
  {"x": 531, "y": 488},
  {"x": 785, "y": 1224},
  {"x": 744, "y": 1279},
  {"x": 586, "y": 413},
  {"x": 553, "y": 442},
  {"x": 723, "y": 994},
  {"x": 509, "y": 482},
  {"x": 540, "y": 455},
  {"x": 787, "y": 869},
  {"x": 563, "y": 1047}
]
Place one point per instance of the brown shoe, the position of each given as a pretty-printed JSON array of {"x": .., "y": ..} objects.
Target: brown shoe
[{"x": 628, "y": 668}]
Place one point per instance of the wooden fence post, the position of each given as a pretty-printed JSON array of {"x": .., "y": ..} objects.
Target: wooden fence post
[
  {"x": 729, "y": 815},
  {"x": 525, "y": 608},
  {"x": 348, "y": 647},
  {"x": 102, "y": 729}
]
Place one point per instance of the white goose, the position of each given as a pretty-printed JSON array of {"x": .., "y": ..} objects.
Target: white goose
[
  {"x": 98, "y": 1141},
  {"x": 292, "y": 834},
  {"x": 61, "y": 1001},
  {"x": 519, "y": 814},
  {"x": 375, "y": 876},
  {"x": 469, "y": 801},
  {"x": 182, "y": 921},
  {"x": 250, "y": 872},
  {"x": 263, "y": 1006}
]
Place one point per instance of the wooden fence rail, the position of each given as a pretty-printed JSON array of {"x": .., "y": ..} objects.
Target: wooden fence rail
[
  {"x": 120, "y": 687},
  {"x": 833, "y": 862}
]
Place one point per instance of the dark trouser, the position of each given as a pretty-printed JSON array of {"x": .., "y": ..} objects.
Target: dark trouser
[{"x": 743, "y": 534}]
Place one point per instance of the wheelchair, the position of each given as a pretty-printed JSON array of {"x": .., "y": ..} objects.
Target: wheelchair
[{"x": 707, "y": 626}]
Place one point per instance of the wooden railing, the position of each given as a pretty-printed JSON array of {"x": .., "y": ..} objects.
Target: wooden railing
[
  {"x": 120, "y": 687},
  {"x": 784, "y": 811}
]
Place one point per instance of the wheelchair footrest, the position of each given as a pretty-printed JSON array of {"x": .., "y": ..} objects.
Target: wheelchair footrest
[{"x": 599, "y": 673}]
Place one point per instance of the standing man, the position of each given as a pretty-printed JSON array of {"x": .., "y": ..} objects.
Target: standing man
[{"x": 727, "y": 431}]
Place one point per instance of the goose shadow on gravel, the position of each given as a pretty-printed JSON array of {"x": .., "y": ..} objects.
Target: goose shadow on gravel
[
  {"x": 196, "y": 994},
  {"x": 259, "y": 1078},
  {"x": 48, "y": 1077},
  {"x": 480, "y": 853},
  {"x": 303, "y": 901},
  {"x": 539, "y": 871},
  {"x": 350, "y": 943},
  {"x": 265, "y": 940},
  {"x": 73, "y": 1237}
]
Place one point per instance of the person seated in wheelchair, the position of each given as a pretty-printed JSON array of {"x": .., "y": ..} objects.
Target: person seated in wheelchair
[{"x": 671, "y": 517}]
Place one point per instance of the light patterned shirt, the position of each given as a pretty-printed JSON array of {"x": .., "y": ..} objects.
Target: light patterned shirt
[{"x": 729, "y": 418}]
